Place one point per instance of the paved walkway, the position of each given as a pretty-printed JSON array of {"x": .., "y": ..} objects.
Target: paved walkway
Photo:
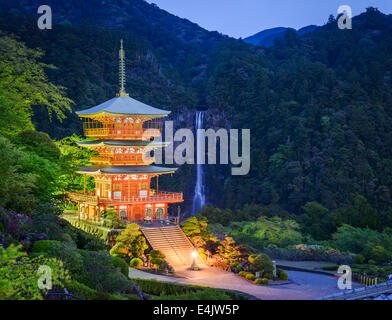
[{"x": 304, "y": 286}]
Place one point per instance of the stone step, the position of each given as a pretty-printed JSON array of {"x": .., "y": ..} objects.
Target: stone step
[{"x": 173, "y": 243}]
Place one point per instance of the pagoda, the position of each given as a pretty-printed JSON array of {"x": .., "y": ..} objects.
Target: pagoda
[{"x": 124, "y": 129}]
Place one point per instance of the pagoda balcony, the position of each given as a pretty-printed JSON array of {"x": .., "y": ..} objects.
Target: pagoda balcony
[
  {"x": 122, "y": 134},
  {"x": 85, "y": 198},
  {"x": 161, "y": 196},
  {"x": 167, "y": 197},
  {"x": 122, "y": 131},
  {"x": 119, "y": 160}
]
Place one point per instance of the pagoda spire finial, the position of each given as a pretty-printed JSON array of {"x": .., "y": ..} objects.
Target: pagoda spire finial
[{"x": 122, "y": 79}]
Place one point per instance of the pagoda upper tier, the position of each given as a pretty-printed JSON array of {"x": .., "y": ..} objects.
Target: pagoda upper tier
[
  {"x": 122, "y": 118},
  {"x": 123, "y": 152},
  {"x": 124, "y": 106}
]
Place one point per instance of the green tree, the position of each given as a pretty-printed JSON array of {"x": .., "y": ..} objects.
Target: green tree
[
  {"x": 261, "y": 263},
  {"x": 73, "y": 157},
  {"x": 156, "y": 257},
  {"x": 362, "y": 214},
  {"x": 19, "y": 274},
  {"x": 111, "y": 213},
  {"x": 130, "y": 243},
  {"x": 216, "y": 215},
  {"x": 227, "y": 249},
  {"x": 196, "y": 227},
  {"x": 369, "y": 243},
  {"x": 318, "y": 221},
  {"x": 16, "y": 183},
  {"x": 24, "y": 85}
]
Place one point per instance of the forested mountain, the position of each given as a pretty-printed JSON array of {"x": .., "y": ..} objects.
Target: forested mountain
[
  {"x": 318, "y": 105},
  {"x": 266, "y": 38},
  {"x": 319, "y": 109},
  {"x": 166, "y": 56},
  {"x": 178, "y": 41}
]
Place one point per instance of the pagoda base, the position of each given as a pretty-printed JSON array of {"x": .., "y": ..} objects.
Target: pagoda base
[{"x": 126, "y": 211}]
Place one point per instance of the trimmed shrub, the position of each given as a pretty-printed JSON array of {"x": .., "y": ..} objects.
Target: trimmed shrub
[
  {"x": 304, "y": 252},
  {"x": 258, "y": 281},
  {"x": 100, "y": 274},
  {"x": 268, "y": 275},
  {"x": 172, "y": 291},
  {"x": 250, "y": 277},
  {"x": 45, "y": 246},
  {"x": 80, "y": 290},
  {"x": 205, "y": 294},
  {"x": 96, "y": 245},
  {"x": 260, "y": 263},
  {"x": 115, "y": 251},
  {"x": 136, "y": 263},
  {"x": 264, "y": 281},
  {"x": 283, "y": 275},
  {"x": 89, "y": 227},
  {"x": 359, "y": 258},
  {"x": 159, "y": 288},
  {"x": 120, "y": 263},
  {"x": 157, "y": 257},
  {"x": 330, "y": 268}
]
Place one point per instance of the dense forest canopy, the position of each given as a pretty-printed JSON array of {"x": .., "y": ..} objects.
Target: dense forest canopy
[
  {"x": 318, "y": 105},
  {"x": 319, "y": 109}
]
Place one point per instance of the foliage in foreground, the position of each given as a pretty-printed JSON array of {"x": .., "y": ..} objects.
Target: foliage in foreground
[
  {"x": 167, "y": 290},
  {"x": 19, "y": 274},
  {"x": 24, "y": 85}
]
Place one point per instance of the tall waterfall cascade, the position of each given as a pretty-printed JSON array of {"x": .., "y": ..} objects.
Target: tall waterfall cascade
[{"x": 199, "y": 196}]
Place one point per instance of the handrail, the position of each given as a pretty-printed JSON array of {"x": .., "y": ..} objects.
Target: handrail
[
  {"x": 122, "y": 132},
  {"x": 80, "y": 197},
  {"x": 161, "y": 196}
]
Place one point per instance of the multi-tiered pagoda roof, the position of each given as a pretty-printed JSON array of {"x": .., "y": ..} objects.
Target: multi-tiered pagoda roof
[
  {"x": 124, "y": 130},
  {"x": 124, "y": 106}
]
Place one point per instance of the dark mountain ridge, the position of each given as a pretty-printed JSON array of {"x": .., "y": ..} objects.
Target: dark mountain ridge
[
  {"x": 266, "y": 38},
  {"x": 160, "y": 29}
]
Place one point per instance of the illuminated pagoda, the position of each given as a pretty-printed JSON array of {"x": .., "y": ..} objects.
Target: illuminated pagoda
[{"x": 124, "y": 128}]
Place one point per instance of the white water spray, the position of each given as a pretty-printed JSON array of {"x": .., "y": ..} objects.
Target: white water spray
[{"x": 199, "y": 197}]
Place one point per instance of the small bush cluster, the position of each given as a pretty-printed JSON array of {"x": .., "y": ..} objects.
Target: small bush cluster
[
  {"x": 252, "y": 278},
  {"x": 96, "y": 230},
  {"x": 122, "y": 265},
  {"x": 304, "y": 252},
  {"x": 136, "y": 263},
  {"x": 79, "y": 290},
  {"x": 176, "y": 291},
  {"x": 282, "y": 275},
  {"x": 330, "y": 268}
]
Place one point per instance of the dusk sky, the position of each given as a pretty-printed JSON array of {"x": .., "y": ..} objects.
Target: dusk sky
[{"x": 242, "y": 18}]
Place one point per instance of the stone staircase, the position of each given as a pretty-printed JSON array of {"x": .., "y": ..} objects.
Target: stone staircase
[{"x": 173, "y": 243}]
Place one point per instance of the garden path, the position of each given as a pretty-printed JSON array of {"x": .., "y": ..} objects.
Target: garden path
[{"x": 303, "y": 286}]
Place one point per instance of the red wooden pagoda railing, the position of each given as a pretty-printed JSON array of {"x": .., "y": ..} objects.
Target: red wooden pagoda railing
[
  {"x": 160, "y": 197},
  {"x": 80, "y": 197},
  {"x": 123, "y": 159},
  {"x": 95, "y": 200},
  {"x": 108, "y": 129}
]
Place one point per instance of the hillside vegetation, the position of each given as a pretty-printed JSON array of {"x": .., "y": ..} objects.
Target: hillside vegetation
[{"x": 318, "y": 106}]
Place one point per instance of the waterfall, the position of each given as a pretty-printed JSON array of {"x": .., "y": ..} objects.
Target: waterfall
[{"x": 199, "y": 197}]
